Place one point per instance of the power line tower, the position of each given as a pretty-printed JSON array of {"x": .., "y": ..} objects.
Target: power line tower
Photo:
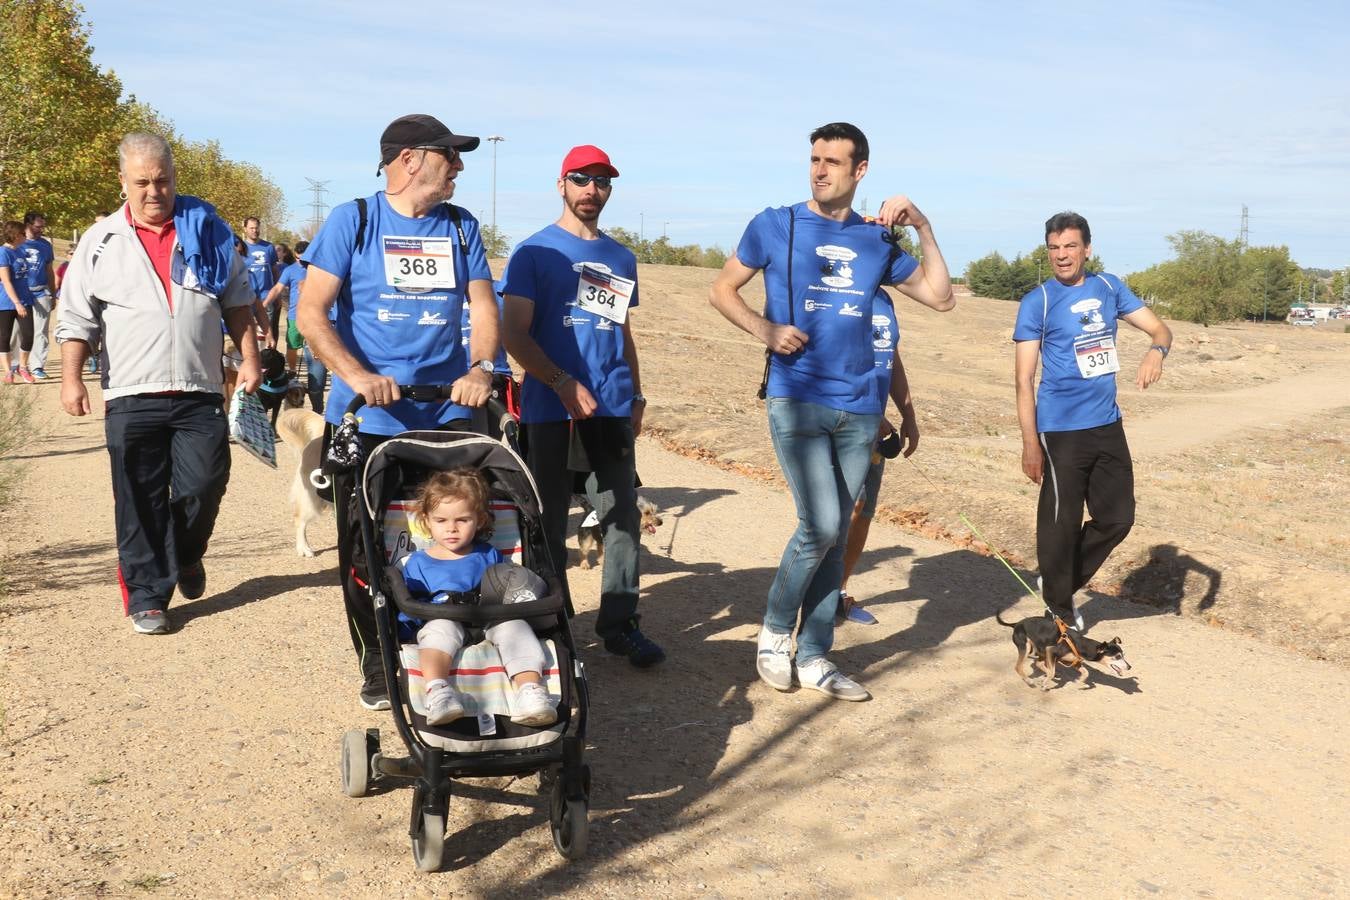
[
  {"x": 1242, "y": 230},
  {"x": 317, "y": 207}
]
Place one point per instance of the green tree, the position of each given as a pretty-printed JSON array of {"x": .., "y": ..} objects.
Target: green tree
[
  {"x": 1267, "y": 276},
  {"x": 495, "y": 243},
  {"x": 59, "y": 122}
]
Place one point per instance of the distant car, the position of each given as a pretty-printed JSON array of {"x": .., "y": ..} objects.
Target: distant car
[{"x": 1303, "y": 321}]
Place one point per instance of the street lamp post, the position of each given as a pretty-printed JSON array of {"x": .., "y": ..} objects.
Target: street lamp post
[
  {"x": 496, "y": 139},
  {"x": 664, "y": 227}
]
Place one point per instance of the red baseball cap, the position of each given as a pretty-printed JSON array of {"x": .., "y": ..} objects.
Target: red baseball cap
[{"x": 579, "y": 158}]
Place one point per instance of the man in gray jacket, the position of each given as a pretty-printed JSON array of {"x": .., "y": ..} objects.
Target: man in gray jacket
[{"x": 147, "y": 289}]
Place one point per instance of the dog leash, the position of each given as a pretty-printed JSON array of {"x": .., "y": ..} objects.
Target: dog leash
[
  {"x": 962, "y": 516},
  {"x": 1062, "y": 625}
]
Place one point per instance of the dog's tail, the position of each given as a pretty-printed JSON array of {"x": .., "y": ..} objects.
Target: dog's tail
[{"x": 1000, "y": 621}]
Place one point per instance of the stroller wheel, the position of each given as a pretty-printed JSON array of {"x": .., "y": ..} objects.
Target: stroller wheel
[
  {"x": 570, "y": 823},
  {"x": 359, "y": 747},
  {"x": 428, "y": 842}
]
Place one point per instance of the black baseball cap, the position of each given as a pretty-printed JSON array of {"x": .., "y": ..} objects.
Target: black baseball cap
[{"x": 420, "y": 130}]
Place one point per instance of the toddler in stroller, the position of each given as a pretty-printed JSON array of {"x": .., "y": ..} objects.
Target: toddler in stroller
[{"x": 452, "y": 507}]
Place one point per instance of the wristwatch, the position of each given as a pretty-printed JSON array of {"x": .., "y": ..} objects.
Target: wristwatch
[
  {"x": 484, "y": 364},
  {"x": 638, "y": 398},
  {"x": 1161, "y": 349}
]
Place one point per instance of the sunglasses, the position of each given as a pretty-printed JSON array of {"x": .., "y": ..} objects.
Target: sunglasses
[
  {"x": 603, "y": 182},
  {"x": 451, "y": 156}
]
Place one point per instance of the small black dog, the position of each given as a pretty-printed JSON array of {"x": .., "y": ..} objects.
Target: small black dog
[
  {"x": 1042, "y": 637},
  {"x": 276, "y": 384}
]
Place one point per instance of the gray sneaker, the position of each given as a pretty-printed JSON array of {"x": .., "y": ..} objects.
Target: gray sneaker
[
  {"x": 150, "y": 621},
  {"x": 774, "y": 660},
  {"x": 822, "y": 675}
]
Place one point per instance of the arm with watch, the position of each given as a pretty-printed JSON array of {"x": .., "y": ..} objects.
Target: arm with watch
[
  {"x": 1150, "y": 369},
  {"x": 475, "y": 387},
  {"x": 517, "y": 316}
]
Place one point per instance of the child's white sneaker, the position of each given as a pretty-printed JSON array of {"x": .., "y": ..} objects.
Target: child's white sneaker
[
  {"x": 533, "y": 706},
  {"x": 443, "y": 705}
]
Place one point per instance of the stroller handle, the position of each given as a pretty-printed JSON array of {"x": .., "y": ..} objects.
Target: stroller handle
[{"x": 430, "y": 393}]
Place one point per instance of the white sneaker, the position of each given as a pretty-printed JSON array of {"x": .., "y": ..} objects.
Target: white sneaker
[
  {"x": 533, "y": 706},
  {"x": 443, "y": 705},
  {"x": 824, "y": 676},
  {"x": 774, "y": 660},
  {"x": 1077, "y": 616}
]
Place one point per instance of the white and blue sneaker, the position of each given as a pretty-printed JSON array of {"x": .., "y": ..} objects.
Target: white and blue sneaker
[
  {"x": 822, "y": 675},
  {"x": 774, "y": 659}
]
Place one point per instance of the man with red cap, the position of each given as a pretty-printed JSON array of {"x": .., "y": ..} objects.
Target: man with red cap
[
  {"x": 400, "y": 266},
  {"x": 567, "y": 293}
]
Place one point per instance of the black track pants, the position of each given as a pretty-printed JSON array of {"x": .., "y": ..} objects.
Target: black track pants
[{"x": 1091, "y": 467}]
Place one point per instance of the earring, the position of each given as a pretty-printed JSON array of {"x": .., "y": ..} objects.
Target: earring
[{"x": 122, "y": 194}]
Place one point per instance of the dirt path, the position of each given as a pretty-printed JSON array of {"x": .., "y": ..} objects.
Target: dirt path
[
  {"x": 1200, "y": 421},
  {"x": 204, "y": 764}
]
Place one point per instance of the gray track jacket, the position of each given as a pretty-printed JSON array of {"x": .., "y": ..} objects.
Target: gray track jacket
[{"x": 117, "y": 303}]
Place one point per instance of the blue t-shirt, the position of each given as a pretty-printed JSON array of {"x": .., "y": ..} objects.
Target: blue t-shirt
[
  {"x": 292, "y": 276},
  {"x": 1068, "y": 320},
  {"x": 407, "y": 332},
  {"x": 885, "y": 338},
  {"x": 261, "y": 257},
  {"x": 545, "y": 269},
  {"x": 836, "y": 270},
  {"x": 499, "y": 365},
  {"x": 430, "y": 579},
  {"x": 17, "y": 263},
  {"x": 40, "y": 254}
]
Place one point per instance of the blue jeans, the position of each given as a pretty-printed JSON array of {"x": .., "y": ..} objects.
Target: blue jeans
[
  {"x": 824, "y": 454},
  {"x": 318, "y": 380}
]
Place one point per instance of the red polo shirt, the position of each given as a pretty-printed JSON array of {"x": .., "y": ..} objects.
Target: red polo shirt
[{"x": 158, "y": 244}]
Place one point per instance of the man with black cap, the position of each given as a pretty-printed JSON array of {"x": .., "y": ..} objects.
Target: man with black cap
[
  {"x": 567, "y": 292},
  {"x": 400, "y": 265}
]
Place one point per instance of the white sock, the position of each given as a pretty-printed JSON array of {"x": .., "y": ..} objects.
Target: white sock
[{"x": 436, "y": 683}]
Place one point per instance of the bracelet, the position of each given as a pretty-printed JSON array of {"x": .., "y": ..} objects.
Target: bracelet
[
  {"x": 558, "y": 379},
  {"x": 1161, "y": 349},
  {"x": 638, "y": 398}
]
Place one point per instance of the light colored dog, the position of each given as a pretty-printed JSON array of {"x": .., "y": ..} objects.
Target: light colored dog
[
  {"x": 590, "y": 537},
  {"x": 303, "y": 430}
]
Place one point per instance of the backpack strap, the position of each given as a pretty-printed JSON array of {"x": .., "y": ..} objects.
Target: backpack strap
[
  {"x": 459, "y": 232},
  {"x": 768, "y": 354},
  {"x": 362, "y": 217},
  {"x": 98, "y": 251}
]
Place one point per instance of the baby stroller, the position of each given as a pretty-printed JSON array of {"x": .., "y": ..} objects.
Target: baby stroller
[{"x": 485, "y": 742}]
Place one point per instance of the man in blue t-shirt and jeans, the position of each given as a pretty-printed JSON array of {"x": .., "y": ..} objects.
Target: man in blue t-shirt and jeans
[
  {"x": 1073, "y": 442},
  {"x": 822, "y": 265},
  {"x": 398, "y": 267},
  {"x": 567, "y": 293}
]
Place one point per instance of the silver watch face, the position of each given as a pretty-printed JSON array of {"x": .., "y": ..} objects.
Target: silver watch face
[{"x": 485, "y": 365}]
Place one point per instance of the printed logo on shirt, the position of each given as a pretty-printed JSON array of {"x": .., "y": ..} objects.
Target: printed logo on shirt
[
  {"x": 813, "y": 305},
  {"x": 882, "y": 336},
  {"x": 1089, "y": 314},
  {"x": 574, "y": 321},
  {"x": 598, "y": 266},
  {"x": 604, "y": 325},
  {"x": 430, "y": 317},
  {"x": 848, "y": 309},
  {"x": 259, "y": 259},
  {"x": 835, "y": 270},
  {"x": 388, "y": 315}
]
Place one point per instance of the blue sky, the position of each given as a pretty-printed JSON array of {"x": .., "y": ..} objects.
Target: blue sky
[{"x": 1147, "y": 117}]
